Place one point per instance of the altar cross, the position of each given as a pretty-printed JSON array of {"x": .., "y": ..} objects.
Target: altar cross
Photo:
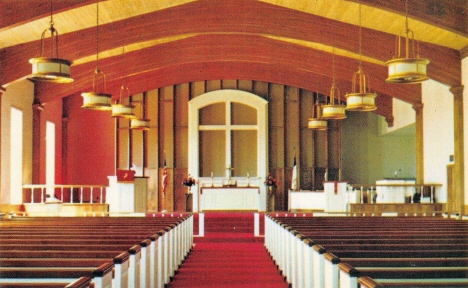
[{"x": 229, "y": 171}]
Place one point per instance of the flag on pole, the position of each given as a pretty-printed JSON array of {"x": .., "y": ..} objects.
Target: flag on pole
[
  {"x": 294, "y": 175},
  {"x": 165, "y": 177}
]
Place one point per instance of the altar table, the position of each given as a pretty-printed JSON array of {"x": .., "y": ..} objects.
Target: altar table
[{"x": 229, "y": 198}]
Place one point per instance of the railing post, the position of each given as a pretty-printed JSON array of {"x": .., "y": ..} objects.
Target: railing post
[
  {"x": 362, "y": 194},
  {"x": 256, "y": 225},
  {"x": 201, "y": 224},
  {"x": 432, "y": 194}
]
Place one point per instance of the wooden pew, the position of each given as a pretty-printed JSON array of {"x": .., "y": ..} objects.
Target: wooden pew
[
  {"x": 83, "y": 282},
  {"x": 81, "y": 241},
  {"x": 334, "y": 232}
]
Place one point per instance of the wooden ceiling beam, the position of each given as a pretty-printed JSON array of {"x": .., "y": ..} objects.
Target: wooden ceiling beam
[
  {"x": 447, "y": 14},
  {"x": 236, "y": 18},
  {"x": 215, "y": 70},
  {"x": 248, "y": 57}
]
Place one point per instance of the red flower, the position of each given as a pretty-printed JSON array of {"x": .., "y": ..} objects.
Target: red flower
[{"x": 270, "y": 181}]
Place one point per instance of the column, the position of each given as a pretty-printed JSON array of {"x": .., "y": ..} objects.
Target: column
[
  {"x": 37, "y": 142},
  {"x": 459, "y": 163},
  {"x": 418, "y": 107}
]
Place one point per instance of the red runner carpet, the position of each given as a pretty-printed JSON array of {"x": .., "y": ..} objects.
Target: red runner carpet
[{"x": 228, "y": 256}]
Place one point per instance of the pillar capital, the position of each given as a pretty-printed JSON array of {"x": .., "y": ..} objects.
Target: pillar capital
[
  {"x": 457, "y": 90},
  {"x": 418, "y": 106}
]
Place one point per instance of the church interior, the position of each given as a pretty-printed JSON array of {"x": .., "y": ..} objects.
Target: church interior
[{"x": 257, "y": 131}]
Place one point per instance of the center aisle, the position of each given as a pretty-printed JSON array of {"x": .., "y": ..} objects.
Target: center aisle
[{"x": 228, "y": 256}]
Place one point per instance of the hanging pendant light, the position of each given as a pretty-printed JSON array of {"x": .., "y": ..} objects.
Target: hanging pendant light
[
  {"x": 410, "y": 69},
  {"x": 118, "y": 109},
  {"x": 140, "y": 123},
  {"x": 51, "y": 69},
  {"x": 316, "y": 122},
  {"x": 334, "y": 110},
  {"x": 121, "y": 110},
  {"x": 97, "y": 100},
  {"x": 361, "y": 99}
]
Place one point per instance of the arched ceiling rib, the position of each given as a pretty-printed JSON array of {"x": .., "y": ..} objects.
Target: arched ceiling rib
[{"x": 292, "y": 38}]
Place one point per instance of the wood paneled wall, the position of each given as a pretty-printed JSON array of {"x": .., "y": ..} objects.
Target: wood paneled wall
[{"x": 317, "y": 152}]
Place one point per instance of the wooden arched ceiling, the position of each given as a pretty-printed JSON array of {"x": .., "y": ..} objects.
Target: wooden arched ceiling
[{"x": 287, "y": 42}]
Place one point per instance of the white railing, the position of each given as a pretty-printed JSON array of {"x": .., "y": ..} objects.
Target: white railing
[
  {"x": 85, "y": 193},
  {"x": 425, "y": 193}
]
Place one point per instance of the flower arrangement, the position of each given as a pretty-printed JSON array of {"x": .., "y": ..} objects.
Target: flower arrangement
[
  {"x": 189, "y": 181},
  {"x": 270, "y": 181}
]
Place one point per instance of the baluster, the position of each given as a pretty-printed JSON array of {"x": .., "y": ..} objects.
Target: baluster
[
  {"x": 81, "y": 198},
  {"x": 101, "y": 195},
  {"x": 432, "y": 194},
  {"x": 61, "y": 192},
  {"x": 32, "y": 194},
  {"x": 42, "y": 194},
  {"x": 362, "y": 194},
  {"x": 422, "y": 193},
  {"x": 91, "y": 190}
]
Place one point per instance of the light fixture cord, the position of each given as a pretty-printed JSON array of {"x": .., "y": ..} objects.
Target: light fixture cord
[
  {"x": 52, "y": 31},
  {"x": 51, "y": 14},
  {"x": 97, "y": 36},
  {"x": 407, "y": 30},
  {"x": 406, "y": 15},
  {"x": 360, "y": 38},
  {"x": 332, "y": 92},
  {"x": 123, "y": 73}
]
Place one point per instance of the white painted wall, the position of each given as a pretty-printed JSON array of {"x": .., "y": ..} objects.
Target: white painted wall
[
  {"x": 404, "y": 115},
  {"x": 438, "y": 134},
  {"x": 20, "y": 95}
]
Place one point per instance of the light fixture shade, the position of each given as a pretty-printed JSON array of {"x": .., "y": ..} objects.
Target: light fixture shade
[
  {"x": 407, "y": 70},
  {"x": 361, "y": 102},
  {"x": 123, "y": 111},
  {"x": 361, "y": 99},
  {"x": 140, "y": 124},
  {"x": 51, "y": 70},
  {"x": 317, "y": 124},
  {"x": 336, "y": 112},
  {"x": 97, "y": 101},
  {"x": 332, "y": 110},
  {"x": 407, "y": 67}
]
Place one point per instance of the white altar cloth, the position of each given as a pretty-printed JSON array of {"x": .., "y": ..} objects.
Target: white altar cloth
[{"x": 224, "y": 198}]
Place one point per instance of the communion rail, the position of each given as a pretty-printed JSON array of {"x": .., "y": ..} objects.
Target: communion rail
[{"x": 38, "y": 193}]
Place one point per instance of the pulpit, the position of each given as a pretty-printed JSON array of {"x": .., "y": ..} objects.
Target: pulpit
[
  {"x": 336, "y": 199},
  {"x": 126, "y": 193}
]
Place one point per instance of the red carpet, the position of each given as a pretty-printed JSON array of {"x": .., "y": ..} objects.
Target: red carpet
[{"x": 228, "y": 256}]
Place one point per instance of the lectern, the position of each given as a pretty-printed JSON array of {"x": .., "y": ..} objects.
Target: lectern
[{"x": 126, "y": 193}]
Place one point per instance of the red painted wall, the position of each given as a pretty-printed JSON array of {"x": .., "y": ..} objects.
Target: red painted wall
[
  {"x": 91, "y": 145},
  {"x": 52, "y": 112}
]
